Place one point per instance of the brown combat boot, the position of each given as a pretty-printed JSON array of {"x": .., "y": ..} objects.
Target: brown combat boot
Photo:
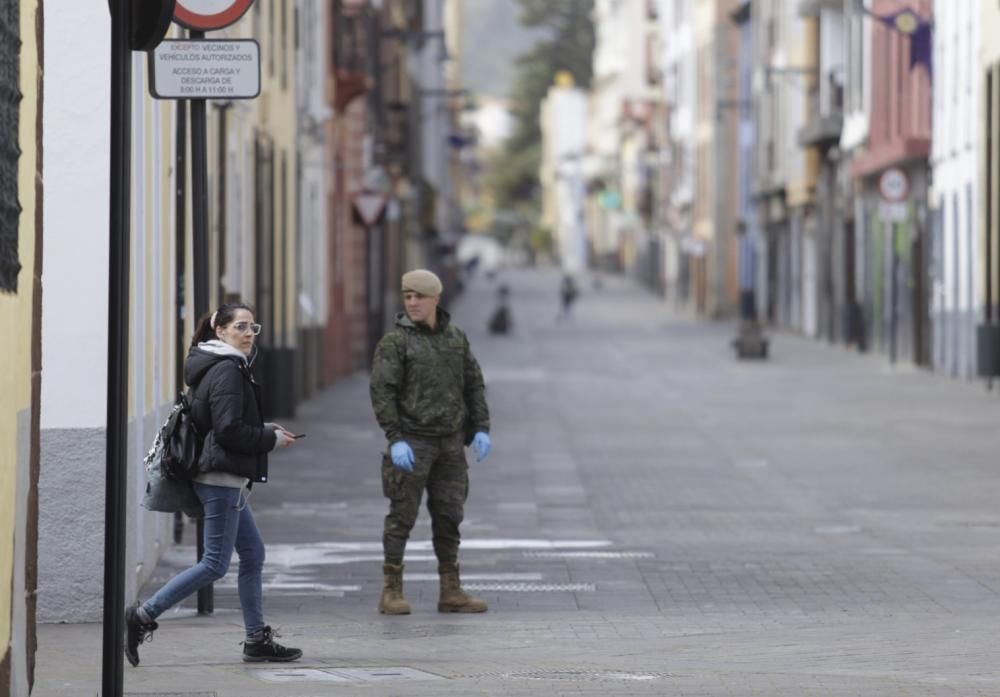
[
  {"x": 452, "y": 597},
  {"x": 392, "y": 601}
]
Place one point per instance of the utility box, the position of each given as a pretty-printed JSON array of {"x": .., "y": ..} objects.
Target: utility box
[{"x": 988, "y": 350}]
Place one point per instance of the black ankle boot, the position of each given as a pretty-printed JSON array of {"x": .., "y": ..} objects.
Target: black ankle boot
[
  {"x": 266, "y": 649},
  {"x": 136, "y": 632}
]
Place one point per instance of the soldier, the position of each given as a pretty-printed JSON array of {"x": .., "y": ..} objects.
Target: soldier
[{"x": 428, "y": 394}]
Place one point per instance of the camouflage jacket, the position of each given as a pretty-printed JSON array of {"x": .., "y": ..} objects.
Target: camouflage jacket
[{"x": 427, "y": 382}]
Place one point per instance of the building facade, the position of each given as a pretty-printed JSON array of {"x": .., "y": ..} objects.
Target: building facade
[
  {"x": 314, "y": 111},
  {"x": 254, "y": 252},
  {"x": 563, "y": 121},
  {"x": 783, "y": 178},
  {"x": 20, "y": 313},
  {"x": 896, "y": 230},
  {"x": 820, "y": 133},
  {"x": 853, "y": 137},
  {"x": 955, "y": 304},
  {"x": 681, "y": 250},
  {"x": 75, "y": 313},
  {"x": 988, "y": 194}
]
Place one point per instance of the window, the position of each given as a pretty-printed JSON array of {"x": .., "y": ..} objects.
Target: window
[{"x": 10, "y": 100}]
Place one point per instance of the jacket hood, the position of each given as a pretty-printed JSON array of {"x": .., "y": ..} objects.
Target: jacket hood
[
  {"x": 443, "y": 320},
  {"x": 205, "y": 355}
]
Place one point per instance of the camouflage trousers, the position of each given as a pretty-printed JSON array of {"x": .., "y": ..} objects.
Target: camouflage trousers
[{"x": 441, "y": 469}]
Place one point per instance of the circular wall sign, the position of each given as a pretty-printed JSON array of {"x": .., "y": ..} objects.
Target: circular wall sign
[
  {"x": 209, "y": 15},
  {"x": 894, "y": 185}
]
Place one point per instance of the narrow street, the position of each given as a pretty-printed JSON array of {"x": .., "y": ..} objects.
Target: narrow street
[{"x": 656, "y": 518}]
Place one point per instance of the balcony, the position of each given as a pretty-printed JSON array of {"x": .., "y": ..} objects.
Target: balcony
[{"x": 824, "y": 116}]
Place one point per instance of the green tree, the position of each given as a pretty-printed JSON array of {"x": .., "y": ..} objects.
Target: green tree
[{"x": 568, "y": 45}]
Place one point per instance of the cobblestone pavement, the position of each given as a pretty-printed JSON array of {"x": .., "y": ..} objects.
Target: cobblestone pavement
[{"x": 657, "y": 518}]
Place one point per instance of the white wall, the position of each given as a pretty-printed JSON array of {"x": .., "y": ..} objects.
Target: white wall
[
  {"x": 790, "y": 90},
  {"x": 76, "y": 123},
  {"x": 831, "y": 52},
  {"x": 77, "y": 143},
  {"x": 313, "y": 113},
  {"x": 955, "y": 166},
  {"x": 567, "y": 130},
  {"x": 680, "y": 87},
  {"x": 857, "y": 66}
]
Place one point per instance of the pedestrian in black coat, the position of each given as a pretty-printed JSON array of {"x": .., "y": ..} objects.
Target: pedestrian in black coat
[{"x": 226, "y": 406}]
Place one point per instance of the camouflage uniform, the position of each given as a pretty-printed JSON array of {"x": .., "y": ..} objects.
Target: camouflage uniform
[{"x": 427, "y": 389}]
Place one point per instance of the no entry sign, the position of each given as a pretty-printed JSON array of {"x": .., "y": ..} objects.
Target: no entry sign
[{"x": 209, "y": 15}]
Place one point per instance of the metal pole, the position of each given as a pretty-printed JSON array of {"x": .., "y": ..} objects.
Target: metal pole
[
  {"x": 118, "y": 308},
  {"x": 199, "y": 230},
  {"x": 893, "y": 293},
  {"x": 374, "y": 251},
  {"x": 180, "y": 263},
  {"x": 222, "y": 229}
]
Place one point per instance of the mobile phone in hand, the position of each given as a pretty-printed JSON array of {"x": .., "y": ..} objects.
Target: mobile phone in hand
[{"x": 301, "y": 435}]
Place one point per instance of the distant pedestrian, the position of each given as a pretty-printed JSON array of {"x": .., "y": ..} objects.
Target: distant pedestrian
[
  {"x": 501, "y": 321},
  {"x": 567, "y": 296},
  {"x": 226, "y": 405},
  {"x": 428, "y": 395}
]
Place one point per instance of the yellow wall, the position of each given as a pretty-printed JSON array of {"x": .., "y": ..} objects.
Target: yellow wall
[
  {"x": 802, "y": 184},
  {"x": 16, "y": 318},
  {"x": 276, "y": 115},
  {"x": 705, "y": 127},
  {"x": 152, "y": 209},
  {"x": 990, "y": 50}
]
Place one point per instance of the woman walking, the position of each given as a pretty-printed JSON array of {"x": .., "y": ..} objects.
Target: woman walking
[{"x": 225, "y": 405}]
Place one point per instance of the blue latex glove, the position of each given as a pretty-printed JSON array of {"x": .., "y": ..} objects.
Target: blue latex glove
[
  {"x": 402, "y": 456},
  {"x": 481, "y": 443}
]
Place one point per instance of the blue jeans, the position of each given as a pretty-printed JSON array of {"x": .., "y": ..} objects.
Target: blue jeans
[{"x": 229, "y": 525}]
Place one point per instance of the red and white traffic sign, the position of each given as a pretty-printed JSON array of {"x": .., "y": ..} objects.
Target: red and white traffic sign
[
  {"x": 369, "y": 205},
  {"x": 894, "y": 185},
  {"x": 209, "y": 15}
]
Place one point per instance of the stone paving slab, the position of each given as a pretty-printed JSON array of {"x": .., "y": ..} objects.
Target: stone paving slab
[{"x": 656, "y": 518}]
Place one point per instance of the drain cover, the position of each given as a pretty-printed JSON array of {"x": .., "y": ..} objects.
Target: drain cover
[
  {"x": 298, "y": 675},
  {"x": 383, "y": 674}
]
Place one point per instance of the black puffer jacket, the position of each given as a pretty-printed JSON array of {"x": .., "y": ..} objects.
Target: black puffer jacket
[{"x": 226, "y": 405}]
